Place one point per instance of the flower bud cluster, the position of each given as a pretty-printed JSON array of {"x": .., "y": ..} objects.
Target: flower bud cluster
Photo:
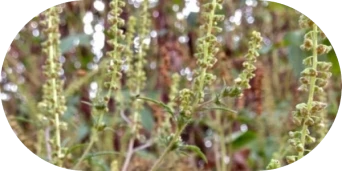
[
  {"x": 165, "y": 128},
  {"x": 53, "y": 98},
  {"x": 186, "y": 98},
  {"x": 141, "y": 45},
  {"x": 242, "y": 81},
  {"x": 129, "y": 51},
  {"x": 274, "y": 164},
  {"x": 207, "y": 46},
  {"x": 247, "y": 74},
  {"x": 174, "y": 89},
  {"x": 137, "y": 75},
  {"x": 115, "y": 63}
]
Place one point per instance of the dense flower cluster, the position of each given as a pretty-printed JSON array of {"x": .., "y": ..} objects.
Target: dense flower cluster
[
  {"x": 115, "y": 62},
  {"x": 207, "y": 47},
  {"x": 242, "y": 81},
  {"x": 129, "y": 54}
]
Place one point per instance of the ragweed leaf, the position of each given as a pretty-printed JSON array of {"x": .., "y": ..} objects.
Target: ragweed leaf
[{"x": 196, "y": 150}]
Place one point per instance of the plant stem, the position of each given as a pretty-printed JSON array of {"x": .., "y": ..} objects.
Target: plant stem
[
  {"x": 312, "y": 88},
  {"x": 85, "y": 153},
  {"x": 47, "y": 144},
  {"x": 91, "y": 143},
  {"x": 230, "y": 145},
  {"x": 129, "y": 154},
  {"x": 223, "y": 149},
  {"x": 168, "y": 148}
]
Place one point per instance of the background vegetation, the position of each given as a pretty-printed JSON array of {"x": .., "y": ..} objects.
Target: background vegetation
[{"x": 258, "y": 134}]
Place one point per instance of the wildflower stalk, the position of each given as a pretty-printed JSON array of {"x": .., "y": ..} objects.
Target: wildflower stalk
[
  {"x": 311, "y": 89},
  {"x": 53, "y": 102},
  {"x": 314, "y": 79},
  {"x": 318, "y": 73},
  {"x": 100, "y": 104},
  {"x": 165, "y": 127},
  {"x": 129, "y": 54},
  {"x": 191, "y": 99},
  {"x": 137, "y": 80}
]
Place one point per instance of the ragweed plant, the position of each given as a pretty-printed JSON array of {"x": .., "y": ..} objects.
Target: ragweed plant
[
  {"x": 138, "y": 79},
  {"x": 52, "y": 105},
  {"x": 165, "y": 127},
  {"x": 314, "y": 78},
  {"x": 191, "y": 99},
  {"x": 113, "y": 74},
  {"x": 242, "y": 81},
  {"x": 129, "y": 52},
  {"x": 137, "y": 75}
]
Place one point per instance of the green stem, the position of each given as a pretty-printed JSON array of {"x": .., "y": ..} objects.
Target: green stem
[
  {"x": 85, "y": 153},
  {"x": 230, "y": 145},
  {"x": 93, "y": 138},
  {"x": 312, "y": 87},
  {"x": 223, "y": 149},
  {"x": 168, "y": 148}
]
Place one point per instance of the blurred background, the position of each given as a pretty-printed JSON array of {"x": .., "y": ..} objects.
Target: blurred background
[{"x": 258, "y": 134}]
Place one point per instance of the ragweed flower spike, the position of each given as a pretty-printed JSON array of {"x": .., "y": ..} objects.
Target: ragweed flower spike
[
  {"x": 138, "y": 79},
  {"x": 313, "y": 80},
  {"x": 113, "y": 73},
  {"x": 207, "y": 47},
  {"x": 53, "y": 103},
  {"x": 165, "y": 128},
  {"x": 115, "y": 63},
  {"x": 242, "y": 81},
  {"x": 129, "y": 54},
  {"x": 274, "y": 164},
  {"x": 141, "y": 46}
]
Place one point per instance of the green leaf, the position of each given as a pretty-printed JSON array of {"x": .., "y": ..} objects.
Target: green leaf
[
  {"x": 196, "y": 150},
  {"x": 293, "y": 40},
  {"x": 74, "y": 40},
  {"x": 243, "y": 138},
  {"x": 166, "y": 107},
  {"x": 147, "y": 120},
  {"x": 192, "y": 20},
  {"x": 82, "y": 132}
]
